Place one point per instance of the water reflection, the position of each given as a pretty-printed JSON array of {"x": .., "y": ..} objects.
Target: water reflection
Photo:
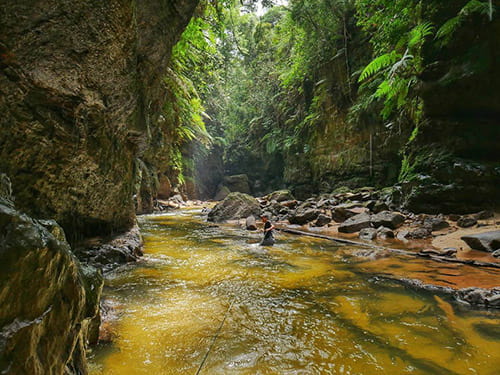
[{"x": 305, "y": 306}]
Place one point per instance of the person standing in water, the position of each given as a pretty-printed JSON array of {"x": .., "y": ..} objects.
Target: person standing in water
[{"x": 268, "y": 232}]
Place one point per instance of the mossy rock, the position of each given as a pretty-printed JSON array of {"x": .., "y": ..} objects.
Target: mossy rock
[{"x": 235, "y": 206}]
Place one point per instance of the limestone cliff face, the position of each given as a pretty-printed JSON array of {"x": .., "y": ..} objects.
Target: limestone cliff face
[{"x": 80, "y": 95}]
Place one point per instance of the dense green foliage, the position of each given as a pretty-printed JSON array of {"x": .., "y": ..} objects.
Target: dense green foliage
[{"x": 270, "y": 89}]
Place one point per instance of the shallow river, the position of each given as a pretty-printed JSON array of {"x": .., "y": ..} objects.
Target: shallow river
[{"x": 209, "y": 299}]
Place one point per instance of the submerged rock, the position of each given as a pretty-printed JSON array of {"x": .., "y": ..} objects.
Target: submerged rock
[
  {"x": 234, "y": 207},
  {"x": 488, "y": 241}
]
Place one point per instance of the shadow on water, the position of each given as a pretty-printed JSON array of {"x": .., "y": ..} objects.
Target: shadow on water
[{"x": 304, "y": 306}]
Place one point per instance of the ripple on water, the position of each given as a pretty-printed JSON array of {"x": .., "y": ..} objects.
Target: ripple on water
[{"x": 304, "y": 306}]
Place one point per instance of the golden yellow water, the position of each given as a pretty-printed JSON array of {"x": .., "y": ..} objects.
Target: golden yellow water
[{"x": 304, "y": 306}]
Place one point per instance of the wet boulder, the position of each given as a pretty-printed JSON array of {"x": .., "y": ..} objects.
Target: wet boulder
[
  {"x": 250, "y": 223},
  {"x": 368, "y": 234},
  {"x": 466, "y": 222},
  {"x": 435, "y": 223},
  {"x": 488, "y": 241},
  {"x": 322, "y": 220},
  {"x": 416, "y": 234},
  {"x": 377, "y": 206},
  {"x": 355, "y": 223},
  {"x": 392, "y": 220},
  {"x": 234, "y": 207},
  {"x": 280, "y": 196},
  {"x": 341, "y": 214},
  {"x": 303, "y": 216},
  {"x": 109, "y": 253}
]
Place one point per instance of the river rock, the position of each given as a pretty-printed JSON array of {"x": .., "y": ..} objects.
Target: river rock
[
  {"x": 234, "y": 207},
  {"x": 377, "y": 206},
  {"x": 384, "y": 233},
  {"x": 392, "y": 220},
  {"x": 368, "y": 234},
  {"x": 322, "y": 220},
  {"x": 280, "y": 196},
  {"x": 480, "y": 296},
  {"x": 496, "y": 253},
  {"x": 418, "y": 233},
  {"x": 341, "y": 214},
  {"x": 435, "y": 223},
  {"x": 488, "y": 241},
  {"x": 250, "y": 223},
  {"x": 303, "y": 216},
  {"x": 466, "y": 222},
  {"x": 448, "y": 252},
  {"x": 484, "y": 215},
  {"x": 355, "y": 223},
  {"x": 109, "y": 253}
]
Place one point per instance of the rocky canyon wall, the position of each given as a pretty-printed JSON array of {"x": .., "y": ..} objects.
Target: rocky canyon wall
[{"x": 81, "y": 92}]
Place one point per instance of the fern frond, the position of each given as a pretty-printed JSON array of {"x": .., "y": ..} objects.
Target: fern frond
[
  {"x": 378, "y": 64},
  {"x": 448, "y": 28},
  {"x": 418, "y": 34}
]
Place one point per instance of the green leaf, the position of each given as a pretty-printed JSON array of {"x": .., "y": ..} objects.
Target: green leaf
[{"x": 378, "y": 64}]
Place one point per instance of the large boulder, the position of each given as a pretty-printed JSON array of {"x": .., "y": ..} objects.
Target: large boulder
[
  {"x": 488, "y": 241},
  {"x": 235, "y": 206},
  {"x": 238, "y": 183},
  {"x": 48, "y": 299},
  {"x": 280, "y": 196},
  {"x": 355, "y": 223},
  {"x": 341, "y": 214},
  {"x": 303, "y": 216},
  {"x": 388, "y": 219}
]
